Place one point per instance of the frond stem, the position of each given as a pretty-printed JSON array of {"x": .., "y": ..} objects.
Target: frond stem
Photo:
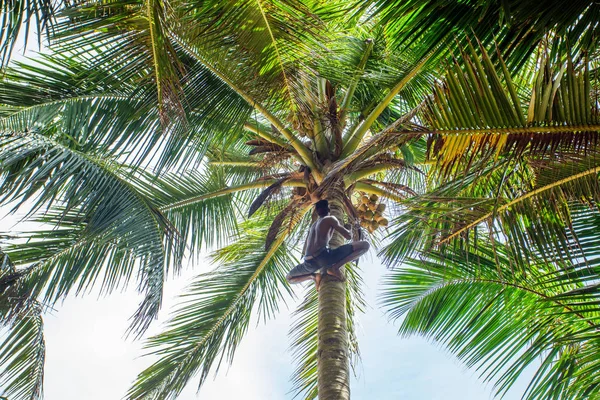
[
  {"x": 265, "y": 135},
  {"x": 517, "y": 130},
  {"x": 357, "y": 136},
  {"x": 528, "y": 195},
  {"x": 365, "y": 187},
  {"x": 539, "y": 294},
  {"x": 303, "y": 151},
  {"x": 229, "y": 190},
  {"x": 235, "y": 163},
  {"x": 362, "y": 173}
]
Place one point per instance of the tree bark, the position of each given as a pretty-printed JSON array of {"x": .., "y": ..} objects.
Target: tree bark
[{"x": 333, "y": 348}]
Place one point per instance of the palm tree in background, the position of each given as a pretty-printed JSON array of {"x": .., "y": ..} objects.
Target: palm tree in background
[{"x": 156, "y": 129}]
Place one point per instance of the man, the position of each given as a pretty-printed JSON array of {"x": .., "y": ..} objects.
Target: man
[{"x": 317, "y": 254}]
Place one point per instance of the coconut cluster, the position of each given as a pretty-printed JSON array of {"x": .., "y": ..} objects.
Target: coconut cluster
[{"x": 371, "y": 212}]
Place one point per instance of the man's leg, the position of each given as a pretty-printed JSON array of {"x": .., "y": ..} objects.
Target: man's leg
[
  {"x": 358, "y": 249},
  {"x": 300, "y": 273},
  {"x": 301, "y": 278}
]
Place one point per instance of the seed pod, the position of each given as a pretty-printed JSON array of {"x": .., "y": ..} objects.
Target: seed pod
[
  {"x": 364, "y": 199},
  {"x": 374, "y": 197},
  {"x": 383, "y": 222},
  {"x": 381, "y": 207}
]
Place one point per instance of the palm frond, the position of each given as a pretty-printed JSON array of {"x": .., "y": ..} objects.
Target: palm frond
[
  {"x": 22, "y": 351},
  {"x": 200, "y": 205},
  {"x": 475, "y": 112},
  {"x": 101, "y": 197},
  {"x": 526, "y": 204},
  {"x": 72, "y": 256},
  {"x": 22, "y": 355},
  {"x": 21, "y": 19},
  {"x": 97, "y": 104},
  {"x": 264, "y": 196},
  {"x": 517, "y": 27},
  {"x": 502, "y": 321},
  {"x": 358, "y": 132},
  {"x": 138, "y": 29},
  {"x": 289, "y": 214},
  {"x": 81, "y": 101},
  {"x": 215, "y": 313}
]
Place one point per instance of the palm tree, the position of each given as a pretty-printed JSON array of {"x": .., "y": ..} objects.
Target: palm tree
[
  {"x": 158, "y": 128},
  {"x": 142, "y": 137}
]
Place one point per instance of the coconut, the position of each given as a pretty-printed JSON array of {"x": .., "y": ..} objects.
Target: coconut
[
  {"x": 383, "y": 222},
  {"x": 362, "y": 208},
  {"x": 374, "y": 224},
  {"x": 378, "y": 217},
  {"x": 381, "y": 207},
  {"x": 372, "y": 206},
  {"x": 364, "y": 223},
  {"x": 369, "y": 214},
  {"x": 374, "y": 197},
  {"x": 364, "y": 199}
]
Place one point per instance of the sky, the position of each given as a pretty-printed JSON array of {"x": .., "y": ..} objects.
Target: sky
[{"x": 88, "y": 357}]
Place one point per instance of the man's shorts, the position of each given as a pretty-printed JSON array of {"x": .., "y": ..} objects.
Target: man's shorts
[{"x": 324, "y": 260}]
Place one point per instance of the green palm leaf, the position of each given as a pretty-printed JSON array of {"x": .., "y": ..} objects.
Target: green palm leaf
[
  {"x": 22, "y": 351},
  {"x": 502, "y": 321},
  {"x": 213, "y": 329},
  {"x": 104, "y": 203},
  {"x": 474, "y": 112},
  {"x": 20, "y": 18},
  {"x": 516, "y": 26},
  {"x": 22, "y": 355}
]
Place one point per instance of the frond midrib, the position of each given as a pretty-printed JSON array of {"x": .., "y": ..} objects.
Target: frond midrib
[
  {"x": 504, "y": 284},
  {"x": 520, "y": 199}
]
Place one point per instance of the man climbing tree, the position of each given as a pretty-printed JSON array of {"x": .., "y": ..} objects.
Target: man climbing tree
[{"x": 318, "y": 257}]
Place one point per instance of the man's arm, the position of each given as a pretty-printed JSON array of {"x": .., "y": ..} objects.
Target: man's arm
[{"x": 335, "y": 224}]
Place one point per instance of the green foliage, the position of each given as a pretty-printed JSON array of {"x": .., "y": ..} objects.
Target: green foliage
[
  {"x": 501, "y": 320},
  {"x": 22, "y": 351},
  {"x": 215, "y": 312},
  {"x": 517, "y": 26},
  {"x": 151, "y": 129}
]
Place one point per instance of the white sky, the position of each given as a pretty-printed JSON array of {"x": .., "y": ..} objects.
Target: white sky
[{"x": 88, "y": 358}]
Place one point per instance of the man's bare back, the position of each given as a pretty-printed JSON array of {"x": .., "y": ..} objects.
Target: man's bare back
[{"x": 320, "y": 234}]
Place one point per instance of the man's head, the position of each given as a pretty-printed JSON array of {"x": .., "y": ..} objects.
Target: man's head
[{"x": 322, "y": 208}]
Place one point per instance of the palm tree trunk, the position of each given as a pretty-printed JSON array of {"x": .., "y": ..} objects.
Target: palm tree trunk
[{"x": 333, "y": 350}]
